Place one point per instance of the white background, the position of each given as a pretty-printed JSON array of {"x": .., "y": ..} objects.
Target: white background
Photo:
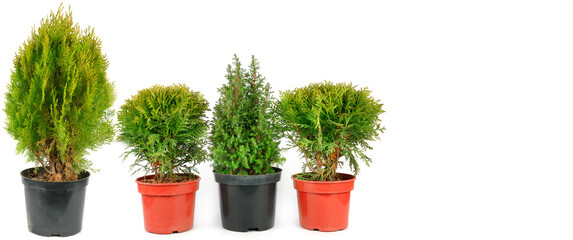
[{"x": 478, "y": 98}]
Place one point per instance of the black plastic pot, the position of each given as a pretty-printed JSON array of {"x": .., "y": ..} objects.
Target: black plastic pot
[
  {"x": 54, "y": 208},
  {"x": 248, "y": 202}
]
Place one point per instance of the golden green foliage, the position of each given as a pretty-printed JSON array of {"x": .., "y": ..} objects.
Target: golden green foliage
[
  {"x": 58, "y": 98},
  {"x": 165, "y": 128},
  {"x": 327, "y": 121}
]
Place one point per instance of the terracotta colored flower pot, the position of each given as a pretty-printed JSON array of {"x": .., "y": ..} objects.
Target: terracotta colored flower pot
[
  {"x": 323, "y": 206},
  {"x": 168, "y": 208}
]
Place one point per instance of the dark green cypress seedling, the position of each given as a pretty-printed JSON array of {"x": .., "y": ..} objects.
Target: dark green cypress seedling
[
  {"x": 327, "y": 122},
  {"x": 58, "y": 98},
  {"x": 165, "y": 128},
  {"x": 244, "y": 138}
]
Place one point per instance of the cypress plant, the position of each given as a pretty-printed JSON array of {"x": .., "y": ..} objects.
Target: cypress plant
[
  {"x": 244, "y": 136},
  {"x": 165, "y": 128},
  {"x": 329, "y": 122},
  {"x": 58, "y": 98}
]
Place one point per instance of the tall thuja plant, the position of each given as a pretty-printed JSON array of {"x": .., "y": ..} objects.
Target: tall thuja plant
[
  {"x": 244, "y": 138},
  {"x": 58, "y": 98}
]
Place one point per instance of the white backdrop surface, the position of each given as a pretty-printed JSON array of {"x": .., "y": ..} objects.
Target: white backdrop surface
[{"x": 477, "y": 93}]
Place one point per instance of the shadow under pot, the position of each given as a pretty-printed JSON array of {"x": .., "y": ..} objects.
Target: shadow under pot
[
  {"x": 168, "y": 207},
  {"x": 324, "y": 205},
  {"x": 248, "y": 202},
  {"x": 54, "y": 208}
]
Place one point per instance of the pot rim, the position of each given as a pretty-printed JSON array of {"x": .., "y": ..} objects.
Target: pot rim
[
  {"x": 351, "y": 178},
  {"x": 262, "y": 179},
  {"x": 138, "y": 181},
  {"x": 325, "y": 187},
  {"x": 81, "y": 183},
  {"x": 81, "y": 177}
]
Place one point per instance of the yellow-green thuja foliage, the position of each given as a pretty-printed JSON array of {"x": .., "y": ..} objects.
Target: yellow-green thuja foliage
[
  {"x": 165, "y": 128},
  {"x": 58, "y": 98},
  {"x": 326, "y": 122},
  {"x": 244, "y": 136}
]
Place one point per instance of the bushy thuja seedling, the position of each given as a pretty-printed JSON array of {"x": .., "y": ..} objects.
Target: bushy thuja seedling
[
  {"x": 326, "y": 122},
  {"x": 58, "y": 98},
  {"x": 245, "y": 140},
  {"x": 165, "y": 128}
]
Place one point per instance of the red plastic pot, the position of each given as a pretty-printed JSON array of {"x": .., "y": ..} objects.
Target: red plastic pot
[
  {"x": 168, "y": 208},
  {"x": 324, "y": 206}
]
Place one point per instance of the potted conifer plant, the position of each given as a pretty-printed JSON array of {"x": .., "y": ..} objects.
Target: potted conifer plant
[
  {"x": 244, "y": 147},
  {"x": 328, "y": 123},
  {"x": 165, "y": 128},
  {"x": 57, "y": 108}
]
